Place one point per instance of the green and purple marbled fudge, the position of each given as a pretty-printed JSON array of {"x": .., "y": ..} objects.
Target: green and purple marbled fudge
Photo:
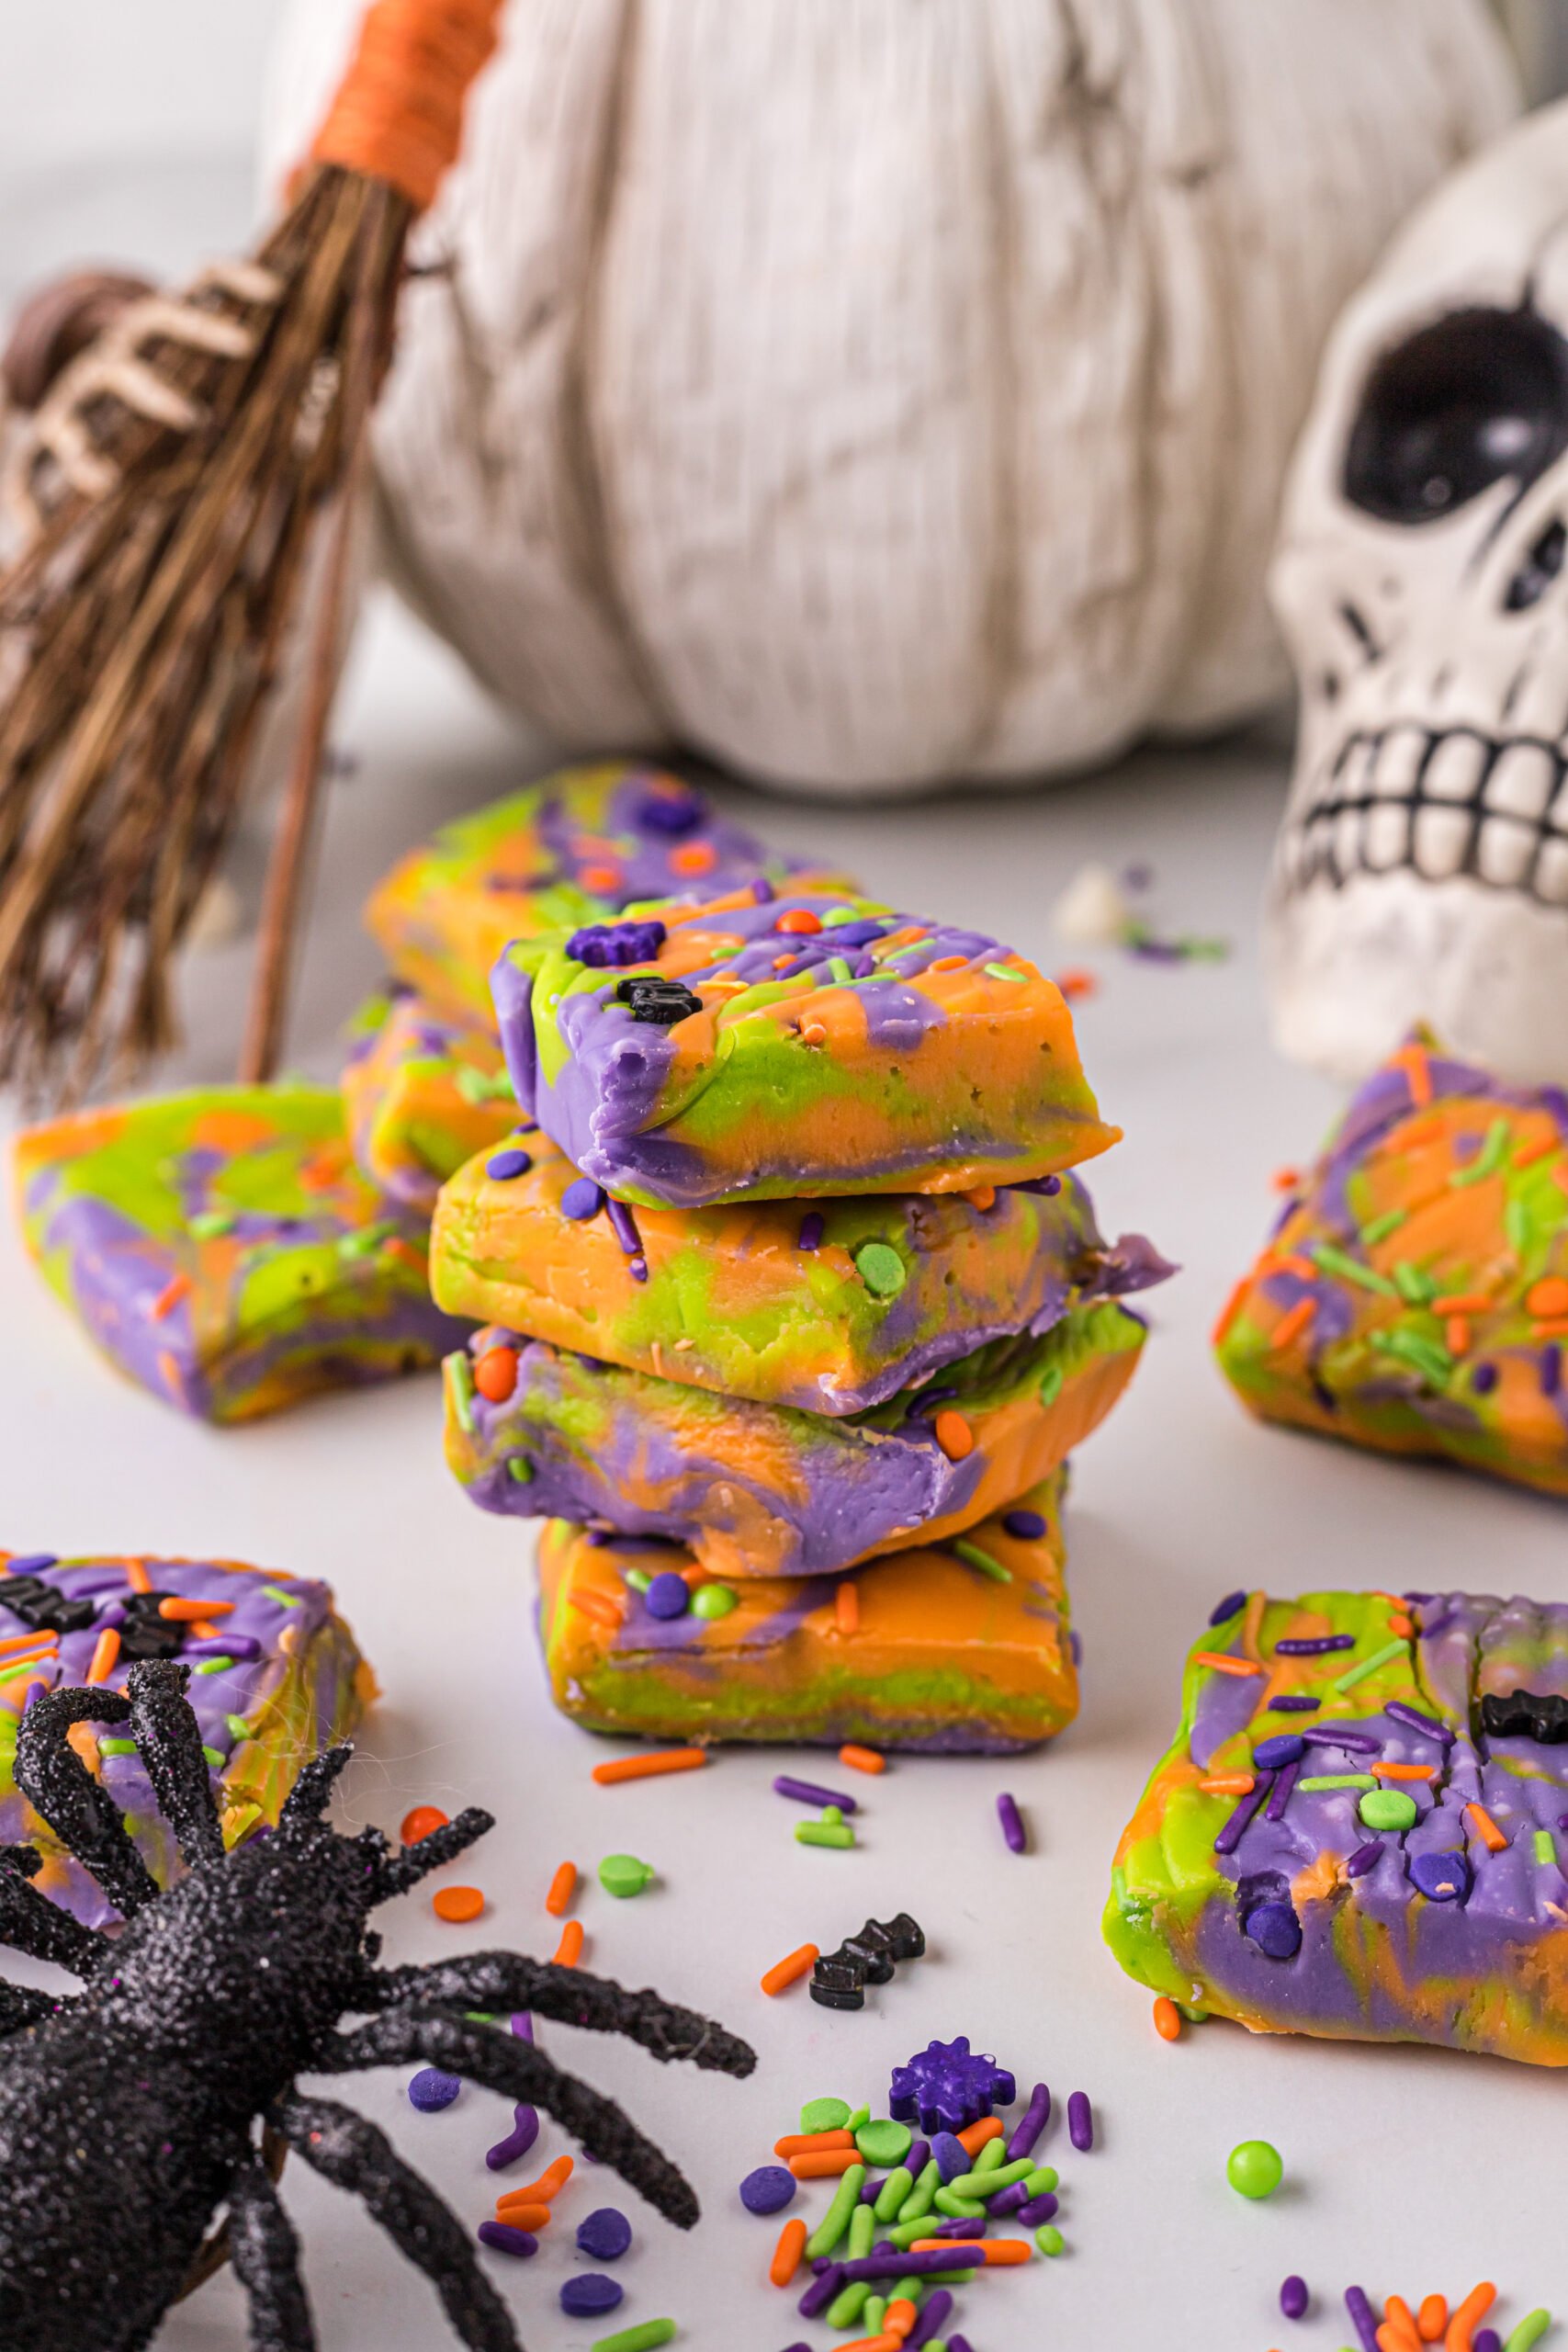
[
  {"x": 1360, "y": 1828},
  {"x": 763, "y": 1490},
  {"x": 221, "y": 1248},
  {"x": 794, "y": 1044}
]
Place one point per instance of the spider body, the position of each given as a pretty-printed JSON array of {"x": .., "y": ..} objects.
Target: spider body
[{"x": 129, "y": 2112}]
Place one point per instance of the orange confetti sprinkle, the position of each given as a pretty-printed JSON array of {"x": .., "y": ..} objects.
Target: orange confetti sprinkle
[
  {"x": 602, "y": 880},
  {"x": 568, "y": 1951},
  {"x": 1224, "y": 1664},
  {"x": 798, "y": 920},
  {"x": 495, "y": 1374},
  {"x": 420, "y": 1822},
  {"x": 1400, "y": 1626},
  {"x": 862, "y": 1759},
  {"x": 563, "y": 1886},
  {"x": 1285, "y": 1180},
  {"x": 1076, "y": 983},
  {"x": 106, "y": 1655},
  {"x": 1486, "y": 1828},
  {"x": 456, "y": 1903},
  {"x": 693, "y": 857},
  {"x": 181, "y": 1612},
  {"x": 823, "y": 2164},
  {"x": 1167, "y": 2019},
  {"x": 812, "y": 1032},
  {"x": 647, "y": 1768},
  {"x": 1548, "y": 1296},
  {"x": 846, "y": 1606},
  {"x": 973, "y": 2136},
  {"x": 789, "y": 1971},
  {"x": 168, "y": 1298},
  {"x": 1293, "y": 1322},
  {"x": 983, "y": 1197},
  {"x": 787, "y": 2253},
  {"x": 954, "y": 1434}
]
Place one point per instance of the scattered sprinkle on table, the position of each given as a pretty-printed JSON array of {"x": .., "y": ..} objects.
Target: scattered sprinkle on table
[
  {"x": 519, "y": 2139},
  {"x": 647, "y": 1767},
  {"x": 430, "y": 2090},
  {"x": 1254, "y": 2168},
  {"x": 1012, "y": 1820},
  {"x": 624, "y": 1875},
  {"x": 456, "y": 1903},
  {"x": 562, "y": 1888},
  {"x": 604, "y": 2234},
  {"x": 420, "y": 1822},
  {"x": 809, "y": 1793},
  {"x": 503, "y": 2238},
  {"x": 589, "y": 2294},
  {"x": 862, "y": 1759},
  {"x": 646, "y": 2339},
  {"x": 789, "y": 1971},
  {"x": 768, "y": 2190}
]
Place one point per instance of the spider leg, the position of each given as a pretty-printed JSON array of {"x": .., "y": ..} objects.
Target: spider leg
[
  {"x": 349, "y": 2151},
  {"x": 307, "y": 1799},
  {"x": 30, "y": 1923},
  {"x": 58, "y": 1785},
  {"x": 519, "y": 2071},
  {"x": 505, "y": 1980},
  {"x": 23, "y": 2005},
  {"x": 265, "y": 2253},
  {"x": 411, "y": 1863},
  {"x": 168, "y": 1741}
]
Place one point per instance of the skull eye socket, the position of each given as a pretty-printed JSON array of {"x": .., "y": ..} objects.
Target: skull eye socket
[{"x": 1478, "y": 397}]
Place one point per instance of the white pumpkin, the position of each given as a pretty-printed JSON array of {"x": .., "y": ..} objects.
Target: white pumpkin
[{"x": 872, "y": 391}]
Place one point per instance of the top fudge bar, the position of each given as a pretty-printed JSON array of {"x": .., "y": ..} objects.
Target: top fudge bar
[
  {"x": 765, "y": 1046},
  {"x": 573, "y": 848},
  {"x": 1357, "y": 1831},
  {"x": 1414, "y": 1294}
]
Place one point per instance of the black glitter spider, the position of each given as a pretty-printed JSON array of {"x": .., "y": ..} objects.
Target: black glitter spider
[{"x": 128, "y": 2110}]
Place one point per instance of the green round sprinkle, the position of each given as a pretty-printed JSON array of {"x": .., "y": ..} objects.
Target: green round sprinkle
[
  {"x": 881, "y": 1269},
  {"x": 824, "y": 2115},
  {"x": 622, "y": 1874},
  {"x": 883, "y": 2144},
  {"x": 1048, "y": 2238},
  {"x": 1388, "y": 1809},
  {"x": 713, "y": 1600},
  {"x": 834, "y": 1814},
  {"x": 1254, "y": 2169}
]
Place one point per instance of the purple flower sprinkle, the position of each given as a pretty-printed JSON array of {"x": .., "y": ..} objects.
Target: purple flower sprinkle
[
  {"x": 1080, "y": 2122},
  {"x": 1293, "y": 2297},
  {"x": 430, "y": 2090},
  {"x": 1365, "y": 1858},
  {"x": 501, "y": 2238},
  {"x": 519, "y": 2139},
  {"x": 1012, "y": 1820},
  {"x": 812, "y": 1227},
  {"x": 505, "y": 1165},
  {"x": 811, "y": 1792},
  {"x": 1027, "y": 1525},
  {"x": 581, "y": 1199},
  {"x": 606, "y": 947}
]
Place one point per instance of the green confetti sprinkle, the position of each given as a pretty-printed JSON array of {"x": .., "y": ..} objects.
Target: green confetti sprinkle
[
  {"x": 624, "y": 1875},
  {"x": 1049, "y": 2238},
  {"x": 825, "y": 2115},
  {"x": 881, "y": 1269},
  {"x": 1388, "y": 1809},
  {"x": 881, "y": 2143}
]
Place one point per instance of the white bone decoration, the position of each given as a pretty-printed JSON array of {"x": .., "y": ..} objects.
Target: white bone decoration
[{"x": 1422, "y": 869}]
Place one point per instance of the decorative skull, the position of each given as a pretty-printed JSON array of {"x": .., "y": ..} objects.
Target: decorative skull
[{"x": 1422, "y": 869}]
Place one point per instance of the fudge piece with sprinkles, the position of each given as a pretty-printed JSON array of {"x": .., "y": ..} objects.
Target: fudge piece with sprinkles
[
  {"x": 919, "y": 1650},
  {"x": 794, "y": 1044},
  {"x": 421, "y": 1094},
  {"x": 831, "y": 1307},
  {"x": 222, "y": 1249},
  {"x": 573, "y": 848},
  {"x": 276, "y": 1677},
  {"x": 1359, "y": 1830},
  {"x": 1413, "y": 1296},
  {"x": 763, "y": 1490}
]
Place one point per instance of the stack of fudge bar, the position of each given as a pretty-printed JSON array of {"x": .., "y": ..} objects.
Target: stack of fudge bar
[{"x": 789, "y": 1318}]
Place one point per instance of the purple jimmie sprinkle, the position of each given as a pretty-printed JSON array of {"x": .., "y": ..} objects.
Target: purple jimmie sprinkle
[
  {"x": 501, "y": 2238},
  {"x": 1327, "y": 1736},
  {"x": 1036, "y": 2211},
  {"x": 1227, "y": 1607},
  {"x": 1439, "y": 1623},
  {"x": 1483, "y": 1379},
  {"x": 812, "y": 1227},
  {"x": 1230, "y": 1837},
  {"x": 1418, "y": 1722},
  {"x": 1487, "y": 2341},
  {"x": 1550, "y": 1369},
  {"x": 519, "y": 2139},
  {"x": 973, "y": 2227},
  {"x": 957, "y": 2256},
  {"x": 1029, "y": 2124},
  {"x": 919, "y": 1407},
  {"x": 1279, "y": 1794},
  {"x": 1316, "y": 1648},
  {"x": 929, "y": 2324},
  {"x": 240, "y": 1645},
  {"x": 1296, "y": 1705},
  {"x": 1080, "y": 2122},
  {"x": 1012, "y": 1820},
  {"x": 824, "y": 2287},
  {"x": 959, "y": 2344},
  {"x": 1361, "y": 2319},
  {"x": 1364, "y": 1859},
  {"x": 808, "y": 1793},
  {"x": 919, "y": 2157},
  {"x": 623, "y": 1225},
  {"x": 1008, "y": 2201},
  {"x": 1027, "y": 1525}
]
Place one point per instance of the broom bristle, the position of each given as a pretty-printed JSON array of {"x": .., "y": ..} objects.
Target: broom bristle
[{"x": 170, "y": 487}]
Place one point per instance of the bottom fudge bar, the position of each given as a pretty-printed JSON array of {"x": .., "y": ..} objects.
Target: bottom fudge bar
[
  {"x": 1357, "y": 1831},
  {"x": 762, "y": 1490},
  {"x": 276, "y": 1676},
  {"x": 221, "y": 1248},
  {"x": 962, "y": 1650}
]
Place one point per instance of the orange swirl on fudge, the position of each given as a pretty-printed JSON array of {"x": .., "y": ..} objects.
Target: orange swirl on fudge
[
  {"x": 574, "y": 848},
  {"x": 1413, "y": 1296},
  {"x": 763, "y": 1490},
  {"x": 223, "y": 1251},
  {"x": 797, "y": 1045},
  {"x": 940, "y": 1656},
  {"x": 830, "y": 1306}
]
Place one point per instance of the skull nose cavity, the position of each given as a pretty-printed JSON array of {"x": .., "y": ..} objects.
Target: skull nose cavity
[
  {"x": 1475, "y": 398},
  {"x": 1539, "y": 569}
]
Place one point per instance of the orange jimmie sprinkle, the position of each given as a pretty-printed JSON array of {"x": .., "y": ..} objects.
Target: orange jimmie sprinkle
[
  {"x": 787, "y": 2253},
  {"x": 650, "y": 1767},
  {"x": 563, "y": 1886},
  {"x": 862, "y": 1759},
  {"x": 790, "y": 1971},
  {"x": 568, "y": 1951}
]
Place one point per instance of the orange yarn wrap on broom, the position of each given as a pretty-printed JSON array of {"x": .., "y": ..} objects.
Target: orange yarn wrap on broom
[
  {"x": 175, "y": 476},
  {"x": 398, "y": 115}
]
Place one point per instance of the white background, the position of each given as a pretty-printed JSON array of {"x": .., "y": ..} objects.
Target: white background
[{"x": 1407, "y": 2169}]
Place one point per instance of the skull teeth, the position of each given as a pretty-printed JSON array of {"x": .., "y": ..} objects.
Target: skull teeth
[{"x": 1436, "y": 803}]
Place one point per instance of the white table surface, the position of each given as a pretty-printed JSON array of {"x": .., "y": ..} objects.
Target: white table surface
[{"x": 1407, "y": 2169}]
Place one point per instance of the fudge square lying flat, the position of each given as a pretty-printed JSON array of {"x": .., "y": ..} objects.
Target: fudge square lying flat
[
  {"x": 574, "y": 848},
  {"x": 1357, "y": 1832},
  {"x": 759, "y": 1490},
  {"x": 1413, "y": 1296},
  {"x": 924, "y": 1650},
  {"x": 792, "y": 1045},
  {"x": 221, "y": 1248},
  {"x": 830, "y": 1308},
  {"x": 274, "y": 1677}
]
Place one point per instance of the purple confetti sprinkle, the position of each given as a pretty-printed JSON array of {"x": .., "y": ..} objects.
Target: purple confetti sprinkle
[
  {"x": 809, "y": 1793},
  {"x": 501, "y": 2238},
  {"x": 519, "y": 2139},
  {"x": 667, "y": 1595},
  {"x": 812, "y": 1227},
  {"x": 1080, "y": 2122},
  {"x": 430, "y": 2090},
  {"x": 582, "y": 1199},
  {"x": 505, "y": 1165},
  {"x": 1012, "y": 1820},
  {"x": 1364, "y": 1859},
  {"x": 768, "y": 2190},
  {"x": 589, "y": 2294},
  {"x": 1027, "y": 1525}
]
